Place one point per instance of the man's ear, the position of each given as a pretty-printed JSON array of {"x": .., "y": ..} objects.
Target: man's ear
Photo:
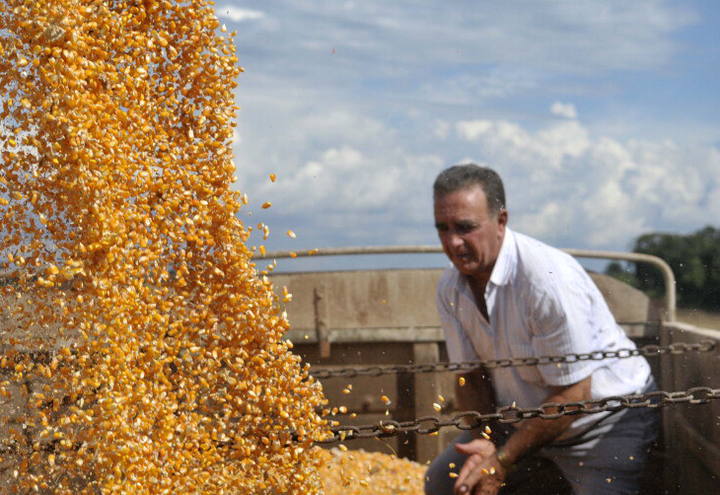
[{"x": 502, "y": 217}]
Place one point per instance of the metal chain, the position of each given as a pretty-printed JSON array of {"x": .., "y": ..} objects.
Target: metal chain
[
  {"x": 646, "y": 350},
  {"x": 469, "y": 420}
]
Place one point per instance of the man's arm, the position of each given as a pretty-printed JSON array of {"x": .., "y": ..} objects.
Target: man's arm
[
  {"x": 488, "y": 466},
  {"x": 536, "y": 432}
]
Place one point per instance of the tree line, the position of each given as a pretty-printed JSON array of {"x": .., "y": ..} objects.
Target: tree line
[{"x": 694, "y": 258}]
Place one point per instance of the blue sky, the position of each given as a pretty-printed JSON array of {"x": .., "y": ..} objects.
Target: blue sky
[{"x": 602, "y": 116}]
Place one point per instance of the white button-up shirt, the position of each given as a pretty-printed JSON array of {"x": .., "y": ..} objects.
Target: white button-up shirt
[{"x": 540, "y": 302}]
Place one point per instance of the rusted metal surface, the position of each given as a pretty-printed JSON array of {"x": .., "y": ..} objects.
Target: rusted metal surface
[
  {"x": 691, "y": 435},
  {"x": 320, "y": 305},
  {"x": 668, "y": 276},
  {"x": 399, "y": 305}
]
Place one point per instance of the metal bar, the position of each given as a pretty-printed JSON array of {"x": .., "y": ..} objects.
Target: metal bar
[
  {"x": 659, "y": 263},
  {"x": 668, "y": 276}
]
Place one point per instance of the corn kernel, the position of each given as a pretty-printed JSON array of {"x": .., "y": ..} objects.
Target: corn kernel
[{"x": 122, "y": 226}]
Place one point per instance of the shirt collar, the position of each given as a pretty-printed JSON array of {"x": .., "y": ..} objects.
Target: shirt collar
[{"x": 505, "y": 263}]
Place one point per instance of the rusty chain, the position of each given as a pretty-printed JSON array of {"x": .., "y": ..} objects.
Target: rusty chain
[
  {"x": 508, "y": 414},
  {"x": 646, "y": 350},
  {"x": 467, "y": 420}
]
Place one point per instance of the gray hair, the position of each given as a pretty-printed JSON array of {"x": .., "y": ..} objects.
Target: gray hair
[{"x": 463, "y": 176}]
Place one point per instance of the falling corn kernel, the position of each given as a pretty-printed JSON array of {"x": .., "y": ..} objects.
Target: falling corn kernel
[
  {"x": 128, "y": 265},
  {"x": 461, "y": 381},
  {"x": 437, "y": 407},
  {"x": 441, "y": 399},
  {"x": 451, "y": 465},
  {"x": 291, "y": 234},
  {"x": 266, "y": 205},
  {"x": 453, "y": 475},
  {"x": 273, "y": 177},
  {"x": 385, "y": 400}
]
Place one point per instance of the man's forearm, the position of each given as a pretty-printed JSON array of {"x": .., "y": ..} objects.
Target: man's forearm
[{"x": 536, "y": 432}]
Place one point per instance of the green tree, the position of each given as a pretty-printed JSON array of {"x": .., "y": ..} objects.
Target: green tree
[{"x": 695, "y": 260}]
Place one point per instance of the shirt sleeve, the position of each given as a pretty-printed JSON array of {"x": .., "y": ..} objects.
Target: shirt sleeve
[
  {"x": 560, "y": 314},
  {"x": 458, "y": 344}
]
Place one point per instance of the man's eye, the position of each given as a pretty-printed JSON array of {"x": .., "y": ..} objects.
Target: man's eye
[{"x": 464, "y": 228}]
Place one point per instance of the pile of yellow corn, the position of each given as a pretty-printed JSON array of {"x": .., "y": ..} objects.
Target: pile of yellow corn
[
  {"x": 159, "y": 362},
  {"x": 346, "y": 472}
]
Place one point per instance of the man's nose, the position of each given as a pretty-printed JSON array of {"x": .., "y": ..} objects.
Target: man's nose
[{"x": 454, "y": 239}]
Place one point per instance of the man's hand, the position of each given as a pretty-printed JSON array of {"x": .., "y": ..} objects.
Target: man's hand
[{"x": 482, "y": 473}]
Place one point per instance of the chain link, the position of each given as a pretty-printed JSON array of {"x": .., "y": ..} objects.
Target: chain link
[
  {"x": 646, "y": 350},
  {"x": 468, "y": 420}
]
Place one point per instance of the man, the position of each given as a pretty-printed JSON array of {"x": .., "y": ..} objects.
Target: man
[{"x": 510, "y": 296}]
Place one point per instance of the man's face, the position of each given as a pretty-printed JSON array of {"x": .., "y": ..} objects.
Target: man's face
[{"x": 470, "y": 234}]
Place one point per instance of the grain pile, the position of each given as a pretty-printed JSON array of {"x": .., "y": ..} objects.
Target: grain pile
[
  {"x": 364, "y": 473},
  {"x": 159, "y": 363}
]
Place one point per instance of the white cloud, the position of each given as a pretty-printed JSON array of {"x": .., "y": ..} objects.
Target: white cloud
[
  {"x": 348, "y": 178},
  {"x": 499, "y": 82},
  {"x": 357, "y": 105},
  {"x": 442, "y": 129},
  {"x": 342, "y": 176},
  {"x": 473, "y": 129},
  {"x": 565, "y": 184},
  {"x": 566, "y": 110},
  {"x": 549, "y": 147},
  {"x": 237, "y": 14},
  {"x": 504, "y": 48}
]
